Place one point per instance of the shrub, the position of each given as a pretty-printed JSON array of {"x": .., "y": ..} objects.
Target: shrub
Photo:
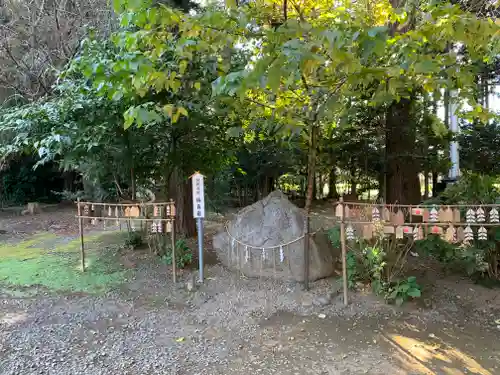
[
  {"x": 379, "y": 262},
  {"x": 183, "y": 255}
]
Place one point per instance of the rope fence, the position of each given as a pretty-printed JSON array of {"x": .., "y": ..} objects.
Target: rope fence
[
  {"x": 460, "y": 224},
  {"x": 159, "y": 218}
]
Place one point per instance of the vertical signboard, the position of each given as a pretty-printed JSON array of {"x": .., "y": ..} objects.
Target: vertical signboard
[
  {"x": 198, "y": 195},
  {"x": 199, "y": 214}
]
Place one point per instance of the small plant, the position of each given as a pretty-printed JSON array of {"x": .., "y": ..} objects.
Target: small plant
[
  {"x": 402, "y": 291},
  {"x": 351, "y": 260},
  {"x": 380, "y": 263},
  {"x": 352, "y": 269},
  {"x": 134, "y": 239},
  {"x": 374, "y": 265},
  {"x": 477, "y": 260},
  {"x": 334, "y": 236},
  {"x": 437, "y": 247},
  {"x": 183, "y": 255}
]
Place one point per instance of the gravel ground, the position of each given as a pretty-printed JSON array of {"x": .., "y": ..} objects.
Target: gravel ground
[
  {"x": 237, "y": 326},
  {"x": 146, "y": 328},
  {"x": 229, "y": 325}
]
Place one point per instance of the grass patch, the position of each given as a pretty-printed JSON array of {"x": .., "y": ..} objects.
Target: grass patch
[
  {"x": 58, "y": 267},
  {"x": 26, "y": 249}
]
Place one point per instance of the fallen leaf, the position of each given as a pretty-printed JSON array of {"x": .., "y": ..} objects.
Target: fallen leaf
[{"x": 180, "y": 339}]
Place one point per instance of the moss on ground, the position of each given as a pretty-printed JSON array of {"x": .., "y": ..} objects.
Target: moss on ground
[{"x": 54, "y": 262}]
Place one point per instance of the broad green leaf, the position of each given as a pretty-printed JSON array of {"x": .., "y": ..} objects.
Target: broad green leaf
[
  {"x": 183, "y": 66},
  {"x": 412, "y": 279},
  {"x": 135, "y": 4},
  {"x": 374, "y": 31},
  {"x": 117, "y": 5},
  {"x": 404, "y": 287},
  {"x": 426, "y": 66},
  {"x": 393, "y": 294},
  {"x": 414, "y": 292},
  {"x": 169, "y": 109},
  {"x": 274, "y": 78},
  {"x": 129, "y": 118},
  {"x": 175, "y": 117},
  {"x": 235, "y": 132},
  {"x": 182, "y": 111}
]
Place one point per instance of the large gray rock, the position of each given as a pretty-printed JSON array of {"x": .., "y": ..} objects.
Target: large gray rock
[{"x": 269, "y": 223}]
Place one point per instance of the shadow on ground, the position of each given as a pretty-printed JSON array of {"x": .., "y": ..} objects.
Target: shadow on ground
[{"x": 294, "y": 344}]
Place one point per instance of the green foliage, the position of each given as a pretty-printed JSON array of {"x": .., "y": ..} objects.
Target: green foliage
[
  {"x": 374, "y": 263},
  {"x": 225, "y": 89},
  {"x": 352, "y": 261},
  {"x": 470, "y": 189},
  {"x": 480, "y": 147},
  {"x": 134, "y": 239},
  {"x": 352, "y": 270},
  {"x": 383, "y": 282},
  {"x": 379, "y": 263},
  {"x": 71, "y": 196},
  {"x": 477, "y": 260},
  {"x": 435, "y": 246},
  {"x": 403, "y": 290},
  {"x": 334, "y": 236},
  {"x": 183, "y": 254},
  {"x": 20, "y": 183}
]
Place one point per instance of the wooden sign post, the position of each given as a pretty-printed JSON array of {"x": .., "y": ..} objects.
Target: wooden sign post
[{"x": 199, "y": 214}]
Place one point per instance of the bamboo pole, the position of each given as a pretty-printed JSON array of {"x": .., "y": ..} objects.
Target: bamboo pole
[
  {"x": 344, "y": 250},
  {"x": 128, "y": 204},
  {"x": 496, "y": 205},
  {"x": 174, "y": 265},
  {"x": 80, "y": 227},
  {"x": 125, "y": 218}
]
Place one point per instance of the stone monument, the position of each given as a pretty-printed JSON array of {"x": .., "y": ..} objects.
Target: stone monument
[{"x": 266, "y": 239}]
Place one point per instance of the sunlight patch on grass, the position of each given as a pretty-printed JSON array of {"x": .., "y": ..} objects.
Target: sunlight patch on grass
[
  {"x": 25, "y": 249},
  {"x": 58, "y": 268}
]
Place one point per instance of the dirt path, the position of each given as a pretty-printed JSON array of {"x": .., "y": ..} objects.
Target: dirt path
[
  {"x": 238, "y": 327},
  {"x": 292, "y": 344}
]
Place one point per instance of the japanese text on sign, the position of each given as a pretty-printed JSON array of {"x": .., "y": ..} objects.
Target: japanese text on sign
[{"x": 198, "y": 196}]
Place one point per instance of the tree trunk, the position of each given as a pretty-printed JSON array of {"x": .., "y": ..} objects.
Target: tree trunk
[
  {"x": 403, "y": 184},
  {"x": 132, "y": 184},
  {"x": 69, "y": 178},
  {"x": 315, "y": 187},
  {"x": 381, "y": 183},
  {"x": 180, "y": 190},
  {"x": 435, "y": 184},
  {"x": 426, "y": 183},
  {"x": 320, "y": 185},
  {"x": 311, "y": 173},
  {"x": 311, "y": 168},
  {"x": 332, "y": 184},
  {"x": 354, "y": 187}
]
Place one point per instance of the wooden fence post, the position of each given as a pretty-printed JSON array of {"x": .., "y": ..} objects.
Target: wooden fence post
[
  {"x": 344, "y": 250},
  {"x": 80, "y": 227}
]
